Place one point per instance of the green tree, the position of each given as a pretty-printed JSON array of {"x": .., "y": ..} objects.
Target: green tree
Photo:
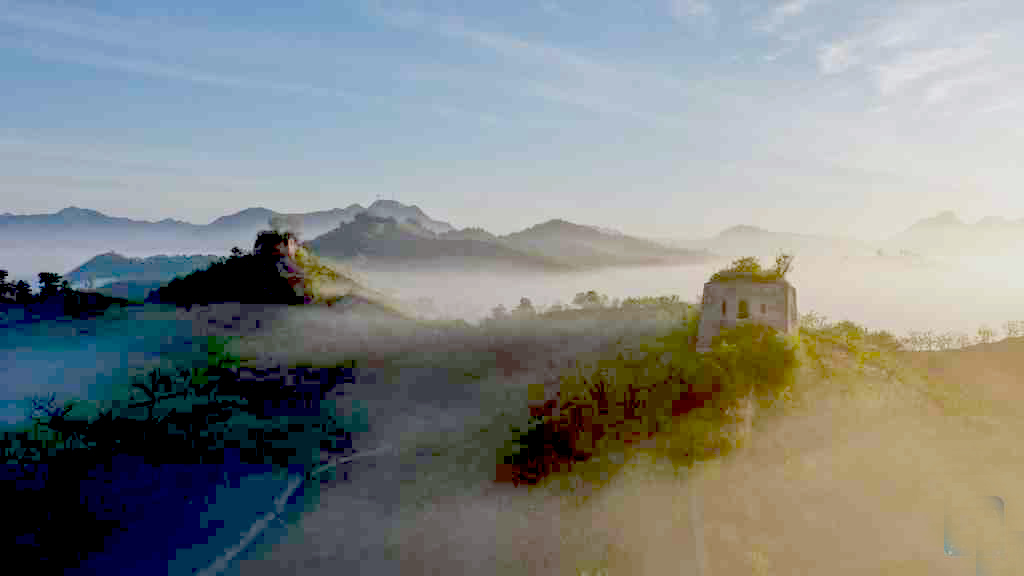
[
  {"x": 22, "y": 292},
  {"x": 783, "y": 262},
  {"x": 590, "y": 299},
  {"x": 884, "y": 340},
  {"x": 525, "y": 307},
  {"x": 747, "y": 264},
  {"x": 985, "y": 334},
  {"x": 812, "y": 321},
  {"x": 963, "y": 340},
  {"x": 49, "y": 284},
  {"x": 946, "y": 341},
  {"x": 5, "y": 287},
  {"x": 928, "y": 340},
  {"x": 1012, "y": 328}
]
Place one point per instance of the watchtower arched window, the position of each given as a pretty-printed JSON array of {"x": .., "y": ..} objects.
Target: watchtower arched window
[
  {"x": 744, "y": 311},
  {"x": 723, "y": 308}
]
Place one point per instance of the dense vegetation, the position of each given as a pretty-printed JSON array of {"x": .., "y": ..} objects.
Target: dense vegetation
[
  {"x": 693, "y": 400},
  {"x": 188, "y": 417},
  {"x": 54, "y": 299},
  {"x": 247, "y": 278},
  {"x": 268, "y": 275},
  {"x": 702, "y": 405}
]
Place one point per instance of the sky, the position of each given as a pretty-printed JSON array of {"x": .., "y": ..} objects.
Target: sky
[{"x": 660, "y": 118}]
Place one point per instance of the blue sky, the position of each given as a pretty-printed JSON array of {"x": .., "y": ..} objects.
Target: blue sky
[{"x": 659, "y": 118}]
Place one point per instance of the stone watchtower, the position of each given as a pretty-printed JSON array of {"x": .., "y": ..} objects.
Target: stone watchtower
[{"x": 735, "y": 298}]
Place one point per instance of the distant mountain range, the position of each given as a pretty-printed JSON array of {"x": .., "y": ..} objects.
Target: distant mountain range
[
  {"x": 945, "y": 233},
  {"x": 238, "y": 229},
  {"x": 949, "y": 220},
  {"x": 937, "y": 237},
  {"x": 118, "y": 276},
  {"x": 374, "y": 240},
  {"x": 554, "y": 245},
  {"x": 587, "y": 246},
  {"x": 105, "y": 267},
  {"x": 62, "y": 240},
  {"x": 124, "y": 254},
  {"x": 739, "y": 241},
  {"x": 389, "y": 232}
]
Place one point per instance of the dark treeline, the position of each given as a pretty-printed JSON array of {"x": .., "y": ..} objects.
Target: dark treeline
[
  {"x": 244, "y": 278},
  {"x": 54, "y": 298},
  {"x": 270, "y": 274}
]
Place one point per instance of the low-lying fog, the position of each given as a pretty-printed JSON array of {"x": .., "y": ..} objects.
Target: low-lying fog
[{"x": 881, "y": 293}]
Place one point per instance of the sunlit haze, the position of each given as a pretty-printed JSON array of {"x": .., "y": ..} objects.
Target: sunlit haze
[
  {"x": 663, "y": 118},
  {"x": 546, "y": 287}
]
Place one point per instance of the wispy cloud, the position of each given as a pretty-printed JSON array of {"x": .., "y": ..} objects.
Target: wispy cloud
[
  {"x": 877, "y": 36},
  {"x": 837, "y": 57},
  {"x": 683, "y": 10},
  {"x": 62, "y": 33},
  {"x": 780, "y": 14},
  {"x": 119, "y": 163},
  {"x": 455, "y": 112},
  {"x": 558, "y": 74},
  {"x": 101, "y": 61},
  {"x": 554, "y": 9},
  {"x": 773, "y": 56},
  {"x": 932, "y": 53},
  {"x": 596, "y": 104},
  {"x": 153, "y": 36},
  {"x": 948, "y": 89},
  {"x": 913, "y": 66}
]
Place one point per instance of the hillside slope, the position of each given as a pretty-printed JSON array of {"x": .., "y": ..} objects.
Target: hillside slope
[
  {"x": 853, "y": 478},
  {"x": 113, "y": 267},
  {"x": 585, "y": 246},
  {"x": 384, "y": 240},
  {"x": 274, "y": 277}
]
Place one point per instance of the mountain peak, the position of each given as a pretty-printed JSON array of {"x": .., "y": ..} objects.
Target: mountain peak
[
  {"x": 994, "y": 222},
  {"x": 253, "y": 214},
  {"x": 943, "y": 219},
  {"x": 402, "y": 213},
  {"x": 255, "y": 210},
  {"x": 744, "y": 229},
  {"x": 75, "y": 211},
  {"x": 557, "y": 223},
  {"x": 388, "y": 205}
]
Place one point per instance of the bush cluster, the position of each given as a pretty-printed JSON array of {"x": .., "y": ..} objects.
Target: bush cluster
[{"x": 661, "y": 386}]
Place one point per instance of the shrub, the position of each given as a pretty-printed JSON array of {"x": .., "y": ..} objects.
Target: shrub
[
  {"x": 750, "y": 268},
  {"x": 749, "y": 358}
]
